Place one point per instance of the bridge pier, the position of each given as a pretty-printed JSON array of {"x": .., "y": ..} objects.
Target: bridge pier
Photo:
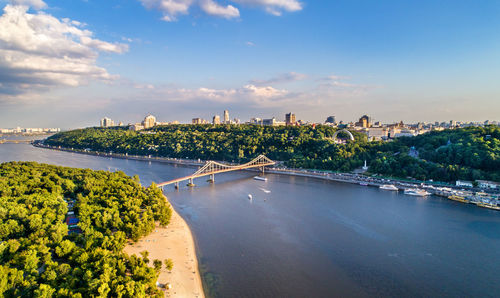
[
  {"x": 212, "y": 178},
  {"x": 190, "y": 183},
  {"x": 176, "y": 185}
]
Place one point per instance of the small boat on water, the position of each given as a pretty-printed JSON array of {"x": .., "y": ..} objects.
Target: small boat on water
[
  {"x": 416, "y": 192},
  {"x": 265, "y": 190},
  {"x": 260, "y": 178},
  {"x": 363, "y": 183},
  {"x": 488, "y": 205},
  {"x": 388, "y": 187},
  {"x": 250, "y": 196},
  {"x": 458, "y": 199}
]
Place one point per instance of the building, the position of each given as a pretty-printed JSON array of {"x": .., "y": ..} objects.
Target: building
[
  {"x": 330, "y": 119},
  {"x": 107, "y": 122},
  {"x": 256, "y": 121},
  {"x": 136, "y": 127},
  {"x": 463, "y": 183},
  {"x": 216, "y": 119},
  {"x": 226, "y": 117},
  {"x": 149, "y": 121},
  {"x": 197, "y": 121},
  {"x": 290, "y": 119},
  {"x": 377, "y": 133},
  {"x": 364, "y": 122},
  {"x": 488, "y": 184},
  {"x": 272, "y": 122}
]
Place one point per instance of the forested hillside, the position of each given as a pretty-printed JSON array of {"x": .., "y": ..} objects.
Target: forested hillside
[
  {"x": 37, "y": 255},
  {"x": 468, "y": 153}
]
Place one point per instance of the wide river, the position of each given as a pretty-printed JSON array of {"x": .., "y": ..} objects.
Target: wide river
[{"x": 303, "y": 237}]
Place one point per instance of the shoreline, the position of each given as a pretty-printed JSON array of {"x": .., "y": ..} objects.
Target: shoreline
[
  {"x": 310, "y": 173},
  {"x": 177, "y": 243},
  {"x": 441, "y": 189}
]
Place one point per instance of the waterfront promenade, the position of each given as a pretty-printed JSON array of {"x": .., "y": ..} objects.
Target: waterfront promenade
[{"x": 374, "y": 181}]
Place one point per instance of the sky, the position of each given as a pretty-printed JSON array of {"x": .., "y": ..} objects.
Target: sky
[{"x": 67, "y": 64}]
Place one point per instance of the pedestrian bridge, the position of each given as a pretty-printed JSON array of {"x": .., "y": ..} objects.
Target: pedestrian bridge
[{"x": 212, "y": 167}]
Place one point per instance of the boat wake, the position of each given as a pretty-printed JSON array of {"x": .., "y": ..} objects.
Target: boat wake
[{"x": 265, "y": 190}]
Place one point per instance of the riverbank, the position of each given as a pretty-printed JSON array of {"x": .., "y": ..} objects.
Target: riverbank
[
  {"x": 435, "y": 187},
  {"x": 174, "y": 242}
]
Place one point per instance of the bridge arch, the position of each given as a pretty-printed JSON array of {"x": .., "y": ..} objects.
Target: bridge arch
[{"x": 351, "y": 137}]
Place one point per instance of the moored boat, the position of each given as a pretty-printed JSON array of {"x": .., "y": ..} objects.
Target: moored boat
[
  {"x": 488, "y": 205},
  {"x": 260, "y": 178},
  {"x": 458, "y": 199},
  {"x": 416, "y": 192},
  {"x": 388, "y": 187}
]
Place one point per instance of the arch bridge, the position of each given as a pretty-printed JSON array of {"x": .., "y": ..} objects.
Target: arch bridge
[
  {"x": 212, "y": 167},
  {"x": 351, "y": 137}
]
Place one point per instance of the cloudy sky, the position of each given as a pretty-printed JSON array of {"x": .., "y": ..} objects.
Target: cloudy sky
[{"x": 69, "y": 63}]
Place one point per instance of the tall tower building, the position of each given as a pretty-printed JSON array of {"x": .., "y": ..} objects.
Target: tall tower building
[
  {"x": 290, "y": 119},
  {"x": 364, "y": 121},
  {"x": 107, "y": 122},
  {"x": 149, "y": 121},
  {"x": 216, "y": 119},
  {"x": 226, "y": 117}
]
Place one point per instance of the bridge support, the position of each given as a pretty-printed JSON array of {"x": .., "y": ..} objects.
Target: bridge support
[
  {"x": 176, "y": 185},
  {"x": 212, "y": 178},
  {"x": 262, "y": 170},
  {"x": 190, "y": 183}
]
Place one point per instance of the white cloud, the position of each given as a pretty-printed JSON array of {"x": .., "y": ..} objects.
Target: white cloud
[
  {"x": 215, "y": 9},
  {"x": 263, "y": 92},
  {"x": 281, "y": 78},
  {"x": 250, "y": 44},
  {"x": 39, "y": 51},
  {"x": 37, "y": 4},
  {"x": 274, "y": 7},
  {"x": 171, "y": 9}
]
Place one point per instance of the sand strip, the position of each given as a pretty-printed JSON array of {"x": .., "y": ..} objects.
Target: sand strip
[{"x": 174, "y": 242}]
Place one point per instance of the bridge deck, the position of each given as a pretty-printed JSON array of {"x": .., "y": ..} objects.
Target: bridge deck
[{"x": 230, "y": 169}]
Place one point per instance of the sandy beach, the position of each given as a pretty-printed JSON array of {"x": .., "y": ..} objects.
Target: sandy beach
[{"x": 174, "y": 242}]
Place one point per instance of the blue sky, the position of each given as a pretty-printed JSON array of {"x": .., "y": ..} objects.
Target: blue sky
[{"x": 179, "y": 59}]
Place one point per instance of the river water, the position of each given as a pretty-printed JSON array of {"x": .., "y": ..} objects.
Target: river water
[{"x": 303, "y": 237}]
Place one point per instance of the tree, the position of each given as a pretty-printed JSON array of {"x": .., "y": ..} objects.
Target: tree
[
  {"x": 169, "y": 264},
  {"x": 157, "y": 265}
]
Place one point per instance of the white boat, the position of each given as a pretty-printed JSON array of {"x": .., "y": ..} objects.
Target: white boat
[
  {"x": 416, "y": 192},
  {"x": 260, "y": 178},
  {"x": 265, "y": 190},
  {"x": 388, "y": 187},
  {"x": 249, "y": 196}
]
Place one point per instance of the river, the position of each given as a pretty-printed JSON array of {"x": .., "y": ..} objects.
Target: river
[{"x": 304, "y": 237}]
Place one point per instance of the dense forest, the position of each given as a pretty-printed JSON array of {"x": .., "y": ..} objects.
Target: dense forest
[
  {"x": 467, "y": 153},
  {"x": 38, "y": 257}
]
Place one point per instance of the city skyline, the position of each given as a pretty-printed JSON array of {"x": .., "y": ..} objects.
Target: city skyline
[{"x": 68, "y": 64}]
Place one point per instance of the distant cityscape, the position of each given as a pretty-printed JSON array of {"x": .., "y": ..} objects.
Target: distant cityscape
[
  {"x": 374, "y": 130},
  {"x": 20, "y": 130}
]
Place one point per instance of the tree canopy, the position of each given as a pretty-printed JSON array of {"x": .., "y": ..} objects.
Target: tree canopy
[
  {"x": 38, "y": 257},
  {"x": 467, "y": 153}
]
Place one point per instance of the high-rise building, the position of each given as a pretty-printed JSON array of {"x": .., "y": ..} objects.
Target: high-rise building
[
  {"x": 107, "y": 122},
  {"x": 226, "y": 117},
  {"x": 290, "y": 119},
  {"x": 216, "y": 119},
  {"x": 149, "y": 121},
  {"x": 330, "y": 119},
  {"x": 197, "y": 121},
  {"x": 364, "y": 121}
]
